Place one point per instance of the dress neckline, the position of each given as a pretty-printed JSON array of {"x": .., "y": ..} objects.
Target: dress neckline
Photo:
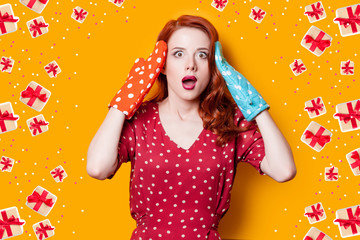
[{"x": 168, "y": 137}]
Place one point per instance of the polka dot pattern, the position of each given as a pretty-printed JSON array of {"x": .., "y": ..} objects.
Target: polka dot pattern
[
  {"x": 176, "y": 192},
  {"x": 139, "y": 81}
]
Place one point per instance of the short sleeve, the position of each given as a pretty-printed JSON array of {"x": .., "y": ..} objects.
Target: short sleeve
[
  {"x": 126, "y": 147},
  {"x": 249, "y": 143}
]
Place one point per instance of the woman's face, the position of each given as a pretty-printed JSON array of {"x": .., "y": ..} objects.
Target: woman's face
[{"x": 187, "y": 63}]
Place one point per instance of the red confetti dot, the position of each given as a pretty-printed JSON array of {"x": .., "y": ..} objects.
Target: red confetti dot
[
  {"x": 75, "y": 183},
  {"x": 29, "y": 180},
  {"x": 9, "y": 182},
  {"x": 296, "y": 226},
  {"x": 62, "y": 215},
  {"x": 308, "y": 82},
  {"x": 332, "y": 192},
  {"x": 339, "y": 93},
  {"x": 295, "y": 120}
]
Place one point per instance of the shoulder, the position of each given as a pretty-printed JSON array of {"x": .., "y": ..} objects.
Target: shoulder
[{"x": 240, "y": 120}]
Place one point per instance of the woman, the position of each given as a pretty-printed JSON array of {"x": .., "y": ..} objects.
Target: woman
[{"x": 184, "y": 144}]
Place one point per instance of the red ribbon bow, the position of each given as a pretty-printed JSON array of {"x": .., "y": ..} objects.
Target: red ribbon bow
[
  {"x": 52, "y": 68},
  {"x": 32, "y": 2},
  {"x": 6, "y": 223},
  {"x": 6, "y": 18},
  {"x": 33, "y": 95},
  {"x": 331, "y": 175},
  {"x": 316, "y": 213},
  {"x": 35, "y": 28},
  {"x": 317, "y": 43},
  {"x": 6, "y": 64},
  {"x": 42, "y": 230},
  {"x": 318, "y": 137},
  {"x": 320, "y": 237},
  {"x": 347, "y": 69},
  {"x": 352, "y": 115},
  {"x": 36, "y": 125},
  {"x": 356, "y": 157},
  {"x": 6, "y": 116},
  {"x": 220, "y": 3},
  {"x": 6, "y": 162},
  {"x": 352, "y": 221},
  {"x": 80, "y": 14},
  {"x": 40, "y": 199},
  {"x": 258, "y": 14},
  {"x": 318, "y": 106},
  {"x": 298, "y": 68},
  {"x": 119, "y": 1},
  {"x": 352, "y": 20},
  {"x": 58, "y": 173},
  {"x": 316, "y": 11}
]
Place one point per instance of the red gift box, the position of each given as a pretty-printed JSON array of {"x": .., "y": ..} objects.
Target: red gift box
[
  {"x": 52, "y": 69},
  {"x": 316, "y": 234},
  {"x": 348, "y": 220},
  {"x": 219, "y": 4},
  {"x": 316, "y": 41},
  {"x": 35, "y": 5},
  {"x": 6, "y": 64},
  {"x": 8, "y": 120},
  {"x": 315, "y": 107},
  {"x": 8, "y": 23},
  {"x": 315, "y": 213},
  {"x": 117, "y": 2},
  {"x": 353, "y": 158},
  {"x": 315, "y": 12},
  {"x": 6, "y": 164},
  {"x": 43, "y": 229},
  {"x": 58, "y": 173},
  {"x": 316, "y": 136},
  {"x": 41, "y": 201},
  {"x": 347, "y": 67},
  {"x": 79, "y": 14},
  {"x": 37, "y": 125},
  {"x": 37, "y": 27},
  {"x": 10, "y": 223},
  {"x": 331, "y": 173},
  {"x": 348, "y": 19},
  {"x": 348, "y": 115},
  {"x": 257, "y": 14},
  {"x": 35, "y": 96},
  {"x": 297, "y": 67}
]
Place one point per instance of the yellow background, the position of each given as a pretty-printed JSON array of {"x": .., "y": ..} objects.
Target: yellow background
[{"x": 95, "y": 58}]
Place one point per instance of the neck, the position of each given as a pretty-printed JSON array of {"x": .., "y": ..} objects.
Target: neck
[{"x": 182, "y": 109}]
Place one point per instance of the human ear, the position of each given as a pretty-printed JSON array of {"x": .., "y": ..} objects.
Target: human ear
[{"x": 163, "y": 70}]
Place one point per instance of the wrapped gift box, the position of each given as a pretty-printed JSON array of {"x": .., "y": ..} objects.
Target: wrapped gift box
[
  {"x": 347, "y": 67},
  {"x": 8, "y": 23},
  {"x": 58, "y": 173},
  {"x": 6, "y": 64},
  {"x": 297, "y": 67},
  {"x": 316, "y": 234},
  {"x": 41, "y": 201},
  {"x": 43, "y": 229},
  {"x": 118, "y": 3},
  {"x": 348, "y": 20},
  {"x": 348, "y": 221},
  {"x": 316, "y": 41},
  {"x": 257, "y": 14},
  {"x": 8, "y": 120},
  {"x": 316, "y": 136},
  {"x": 6, "y": 164},
  {"x": 315, "y": 213},
  {"x": 37, "y": 125},
  {"x": 35, "y": 96},
  {"x": 315, "y": 12},
  {"x": 353, "y": 158},
  {"x": 37, "y": 27},
  {"x": 331, "y": 174},
  {"x": 79, "y": 14},
  {"x": 348, "y": 115},
  {"x": 35, "y": 5},
  {"x": 219, "y": 4},
  {"x": 11, "y": 225},
  {"x": 52, "y": 69},
  {"x": 315, "y": 107}
]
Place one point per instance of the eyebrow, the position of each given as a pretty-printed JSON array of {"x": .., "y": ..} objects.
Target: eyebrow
[{"x": 181, "y": 48}]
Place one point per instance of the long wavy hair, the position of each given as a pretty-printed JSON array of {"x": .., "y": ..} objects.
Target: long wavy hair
[{"x": 217, "y": 107}]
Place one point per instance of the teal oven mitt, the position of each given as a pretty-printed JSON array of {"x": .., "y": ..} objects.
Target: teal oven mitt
[{"x": 245, "y": 95}]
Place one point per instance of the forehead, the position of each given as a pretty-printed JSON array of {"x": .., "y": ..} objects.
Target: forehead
[{"x": 189, "y": 37}]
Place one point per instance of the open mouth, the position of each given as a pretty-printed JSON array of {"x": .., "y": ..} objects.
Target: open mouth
[{"x": 189, "y": 82}]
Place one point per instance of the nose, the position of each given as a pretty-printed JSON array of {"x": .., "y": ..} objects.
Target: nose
[{"x": 191, "y": 64}]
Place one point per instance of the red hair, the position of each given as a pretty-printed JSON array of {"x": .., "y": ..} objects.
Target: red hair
[{"x": 217, "y": 107}]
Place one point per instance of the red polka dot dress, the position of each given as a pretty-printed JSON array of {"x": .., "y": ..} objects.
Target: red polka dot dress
[{"x": 181, "y": 193}]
